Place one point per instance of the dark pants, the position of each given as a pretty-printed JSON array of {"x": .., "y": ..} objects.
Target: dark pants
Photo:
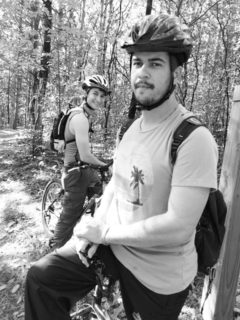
[
  {"x": 59, "y": 279},
  {"x": 78, "y": 183}
]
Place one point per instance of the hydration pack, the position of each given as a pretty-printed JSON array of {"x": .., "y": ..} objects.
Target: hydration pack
[
  {"x": 57, "y": 140},
  {"x": 210, "y": 229}
]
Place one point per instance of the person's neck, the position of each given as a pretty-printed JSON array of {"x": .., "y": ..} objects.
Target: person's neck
[
  {"x": 87, "y": 110},
  {"x": 159, "y": 114}
]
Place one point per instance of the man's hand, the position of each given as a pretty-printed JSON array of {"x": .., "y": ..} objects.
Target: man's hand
[
  {"x": 91, "y": 229},
  {"x": 85, "y": 250}
]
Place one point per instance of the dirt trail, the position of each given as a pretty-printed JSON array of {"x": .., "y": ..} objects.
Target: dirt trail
[{"x": 22, "y": 240}]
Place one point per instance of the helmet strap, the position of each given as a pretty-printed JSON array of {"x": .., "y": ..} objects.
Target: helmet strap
[
  {"x": 86, "y": 103},
  {"x": 160, "y": 101},
  {"x": 87, "y": 108}
]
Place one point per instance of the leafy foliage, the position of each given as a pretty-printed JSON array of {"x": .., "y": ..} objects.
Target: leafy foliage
[{"x": 84, "y": 42}]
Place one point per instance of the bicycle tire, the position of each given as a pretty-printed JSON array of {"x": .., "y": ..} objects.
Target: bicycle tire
[{"x": 51, "y": 205}]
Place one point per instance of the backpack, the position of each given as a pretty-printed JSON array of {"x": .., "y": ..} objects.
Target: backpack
[
  {"x": 210, "y": 229},
  {"x": 57, "y": 140}
]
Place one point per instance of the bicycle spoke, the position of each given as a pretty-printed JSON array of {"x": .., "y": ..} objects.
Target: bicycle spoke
[{"x": 51, "y": 205}]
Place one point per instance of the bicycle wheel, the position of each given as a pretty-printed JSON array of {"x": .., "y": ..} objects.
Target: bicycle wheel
[{"x": 51, "y": 205}]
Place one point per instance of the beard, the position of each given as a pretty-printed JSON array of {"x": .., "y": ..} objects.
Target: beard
[
  {"x": 143, "y": 98},
  {"x": 146, "y": 102}
]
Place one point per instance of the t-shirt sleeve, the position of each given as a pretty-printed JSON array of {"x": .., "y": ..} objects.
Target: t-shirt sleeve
[{"x": 196, "y": 163}]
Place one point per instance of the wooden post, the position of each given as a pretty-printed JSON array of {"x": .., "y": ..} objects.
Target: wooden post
[{"x": 220, "y": 303}]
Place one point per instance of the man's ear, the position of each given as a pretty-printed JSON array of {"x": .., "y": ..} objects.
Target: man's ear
[{"x": 177, "y": 74}]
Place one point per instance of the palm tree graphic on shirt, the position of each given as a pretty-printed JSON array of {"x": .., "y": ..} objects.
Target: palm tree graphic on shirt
[{"x": 137, "y": 179}]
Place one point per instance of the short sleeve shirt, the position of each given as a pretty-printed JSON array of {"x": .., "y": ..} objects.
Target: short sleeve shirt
[{"x": 142, "y": 179}]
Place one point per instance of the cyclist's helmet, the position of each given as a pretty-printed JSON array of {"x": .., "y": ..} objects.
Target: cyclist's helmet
[
  {"x": 160, "y": 33},
  {"x": 96, "y": 81}
]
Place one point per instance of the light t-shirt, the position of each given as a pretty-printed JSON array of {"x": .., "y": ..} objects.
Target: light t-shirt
[{"x": 142, "y": 180}]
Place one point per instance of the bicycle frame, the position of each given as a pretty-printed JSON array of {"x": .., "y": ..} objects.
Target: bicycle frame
[
  {"x": 50, "y": 214},
  {"x": 95, "y": 307}
]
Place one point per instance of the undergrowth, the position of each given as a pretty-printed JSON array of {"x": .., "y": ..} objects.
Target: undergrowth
[{"x": 22, "y": 240}]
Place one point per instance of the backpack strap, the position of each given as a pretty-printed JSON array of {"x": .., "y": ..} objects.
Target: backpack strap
[
  {"x": 186, "y": 127},
  {"x": 71, "y": 113},
  {"x": 69, "y": 141}
]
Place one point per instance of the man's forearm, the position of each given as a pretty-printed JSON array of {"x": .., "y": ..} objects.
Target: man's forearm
[
  {"x": 154, "y": 231},
  {"x": 175, "y": 227},
  {"x": 171, "y": 228}
]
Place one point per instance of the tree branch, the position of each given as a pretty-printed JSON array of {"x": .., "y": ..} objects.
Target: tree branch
[{"x": 202, "y": 15}]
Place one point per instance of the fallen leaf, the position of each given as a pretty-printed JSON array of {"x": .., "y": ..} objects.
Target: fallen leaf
[
  {"x": 9, "y": 230},
  {"x": 15, "y": 288},
  {"x": 4, "y": 286},
  {"x": 20, "y": 315},
  {"x": 11, "y": 224},
  {"x": 3, "y": 236},
  {"x": 11, "y": 280},
  {"x": 19, "y": 300}
]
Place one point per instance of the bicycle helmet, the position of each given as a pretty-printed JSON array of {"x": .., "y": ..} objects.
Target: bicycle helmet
[
  {"x": 160, "y": 33},
  {"x": 96, "y": 81}
]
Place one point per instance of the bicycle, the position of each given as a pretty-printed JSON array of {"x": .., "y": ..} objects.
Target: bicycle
[
  {"x": 105, "y": 301},
  {"x": 53, "y": 195},
  {"x": 51, "y": 203}
]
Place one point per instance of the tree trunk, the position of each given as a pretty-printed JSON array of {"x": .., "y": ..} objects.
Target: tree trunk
[
  {"x": 106, "y": 32},
  {"x": 8, "y": 97},
  {"x": 59, "y": 46},
  {"x": 18, "y": 68},
  {"x": 43, "y": 75},
  {"x": 82, "y": 52},
  {"x": 34, "y": 7},
  {"x": 149, "y": 7},
  {"x": 101, "y": 35},
  {"x": 17, "y": 102}
]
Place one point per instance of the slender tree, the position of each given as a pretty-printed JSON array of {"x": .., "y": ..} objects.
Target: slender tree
[
  {"x": 34, "y": 38},
  {"x": 43, "y": 75},
  {"x": 18, "y": 67},
  {"x": 149, "y": 7}
]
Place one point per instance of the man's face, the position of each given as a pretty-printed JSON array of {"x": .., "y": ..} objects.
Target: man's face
[
  {"x": 150, "y": 76},
  {"x": 96, "y": 98}
]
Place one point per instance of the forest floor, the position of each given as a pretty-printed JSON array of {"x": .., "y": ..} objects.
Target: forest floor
[{"x": 22, "y": 239}]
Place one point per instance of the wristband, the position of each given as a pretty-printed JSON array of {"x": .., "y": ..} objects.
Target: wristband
[{"x": 104, "y": 241}]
